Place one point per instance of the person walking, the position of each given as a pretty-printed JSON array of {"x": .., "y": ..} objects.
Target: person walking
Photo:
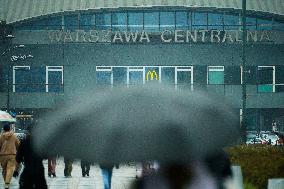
[
  {"x": 9, "y": 144},
  {"x": 51, "y": 166},
  {"x": 85, "y": 166},
  {"x": 33, "y": 173},
  {"x": 107, "y": 174},
  {"x": 68, "y": 166}
]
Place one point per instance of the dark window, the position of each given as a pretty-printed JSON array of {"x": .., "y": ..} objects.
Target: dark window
[
  {"x": 181, "y": 20},
  {"x": 2, "y": 79},
  {"x": 119, "y": 75},
  {"x": 277, "y": 25},
  {"x": 119, "y": 21},
  {"x": 265, "y": 79},
  {"x": 232, "y": 75},
  {"x": 199, "y": 20},
  {"x": 54, "y": 23},
  {"x": 135, "y": 21},
  {"x": 167, "y": 21},
  {"x": 264, "y": 24},
  {"x": 251, "y": 23},
  {"x": 23, "y": 79},
  {"x": 135, "y": 77},
  {"x": 215, "y": 21},
  {"x": 23, "y": 26},
  {"x": 38, "y": 79},
  {"x": 251, "y": 72},
  {"x": 71, "y": 22},
  {"x": 168, "y": 75},
  {"x": 87, "y": 21},
  {"x": 55, "y": 82},
  {"x": 104, "y": 77},
  {"x": 200, "y": 75},
  {"x": 279, "y": 78},
  {"x": 39, "y": 24},
  {"x": 231, "y": 22},
  {"x": 103, "y": 21},
  {"x": 151, "y": 21}
]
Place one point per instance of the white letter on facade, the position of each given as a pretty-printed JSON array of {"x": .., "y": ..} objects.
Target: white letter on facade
[
  {"x": 144, "y": 36},
  {"x": 177, "y": 36}
]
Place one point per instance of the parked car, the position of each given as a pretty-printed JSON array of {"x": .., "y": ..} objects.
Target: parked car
[{"x": 256, "y": 141}]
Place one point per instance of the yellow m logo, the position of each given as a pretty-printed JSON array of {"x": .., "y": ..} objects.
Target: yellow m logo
[{"x": 152, "y": 74}]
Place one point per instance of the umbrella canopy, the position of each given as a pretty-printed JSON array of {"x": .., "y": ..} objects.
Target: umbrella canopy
[
  {"x": 138, "y": 124},
  {"x": 6, "y": 117}
]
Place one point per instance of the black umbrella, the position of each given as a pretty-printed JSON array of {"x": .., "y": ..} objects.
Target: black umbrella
[{"x": 138, "y": 124}]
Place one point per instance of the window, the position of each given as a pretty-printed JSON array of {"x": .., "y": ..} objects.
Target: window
[
  {"x": 278, "y": 25},
  {"x": 21, "y": 79},
  {"x": 104, "y": 75},
  {"x": 184, "y": 77},
  {"x": 266, "y": 78},
  {"x": 54, "y": 79},
  {"x": 54, "y": 23},
  {"x": 199, "y": 20},
  {"x": 263, "y": 24},
  {"x": 119, "y": 21},
  {"x": 251, "y": 23},
  {"x": 135, "y": 21},
  {"x": 151, "y": 21},
  {"x": 87, "y": 21},
  {"x": 71, "y": 22},
  {"x": 103, "y": 21},
  {"x": 168, "y": 75},
  {"x": 119, "y": 75},
  {"x": 152, "y": 74},
  {"x": 182, "y": 21},
  {"x": 135, "y": 75},
  {"x": 231, "y": 22},
  {"x": 215, "y": 75},
  {"x": 167, "y": 21},
  {"x": 39, "y": 24},
  {"x": 215, "y": 21}
]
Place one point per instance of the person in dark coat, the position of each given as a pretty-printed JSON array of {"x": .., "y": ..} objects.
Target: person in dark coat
[
  {"x": 68, "y": 166},
  {"x": 32, "y": 176},
  {"x": 85, "y": 166}
]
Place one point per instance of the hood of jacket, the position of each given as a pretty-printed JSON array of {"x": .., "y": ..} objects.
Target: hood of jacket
[{"x": 7, "y": 135}]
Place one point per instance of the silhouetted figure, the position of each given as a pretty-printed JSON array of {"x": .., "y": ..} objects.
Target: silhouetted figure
[
  {"x": 51, "y": 166},
  {"x": 85, "y": 166},
  {"x": 32, "y": 176}
]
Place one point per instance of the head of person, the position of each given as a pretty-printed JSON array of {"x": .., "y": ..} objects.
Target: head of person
[{"x": 6, "y": 127}]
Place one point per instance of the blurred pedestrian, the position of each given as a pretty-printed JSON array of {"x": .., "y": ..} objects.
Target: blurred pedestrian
[
  {"x": 51, "y": 166},
  {"x": 68, "y": 166},
  {"x": 107, "y": 174},
  {"x": 85, "y": 166},
  {"x": 33, "y": 173},
  {"x": 9, "y": 144}
]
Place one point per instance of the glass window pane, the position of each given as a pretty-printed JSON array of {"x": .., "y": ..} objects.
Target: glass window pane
[
  {"x": 199, "y": 20},
  {"x": 215, "y": 21},
  {"x": 119, "y": 21},
  {"x": 22, "y": 79},
  {"x": 54, "y": 23},
  {"x": 119, "y": 75},
  {"x": 103, "y": 77},
  {"x": 168, "y": 75},
  {"x": 231, "y": 22},
  {"x": 135, "y": 21},
  {"x": 151, "y": 74},
  {"x": 103, "y": 21},
  {"x": 135, "y": 77},
  {"x": 151, "y": 21},
  {"x": 263, "y": 24},
  {"x": 216, "y": 77},
  {"x": 39, "y": 24},
  {"x": 181, "y": 21},
  {"x": 87, "y": 21},
  {"x": 71, "y": 22},
  {"x": 23, "y": 26},
  {"x": 55, "y": 81},
  {"x": 265, "y": 88},
  {"x": 167, "y": 20},
  {"x": 265, "y": 75},
  {"x": 183, "y": 77},
  {"x": 251, "y": 23},
  {"x": 278, "y": 26},
  {"x": 38, "y": 79}
]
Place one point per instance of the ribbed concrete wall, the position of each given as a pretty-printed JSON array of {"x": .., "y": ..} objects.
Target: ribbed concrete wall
[{"x": 16, "y": 10}]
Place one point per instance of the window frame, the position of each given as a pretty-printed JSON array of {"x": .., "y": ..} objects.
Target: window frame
[
  {"x": 53, "y": 69},
  {"x": 14, "y": 75},
  {"x": 215, "y": 69},
  {"x": 273, "y": 79}
]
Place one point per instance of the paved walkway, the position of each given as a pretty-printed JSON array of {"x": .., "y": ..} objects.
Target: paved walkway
[{"x": 121, "y": 179}]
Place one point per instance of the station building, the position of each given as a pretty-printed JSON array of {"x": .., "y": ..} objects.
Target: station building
[{"x": 52, "y": 50}]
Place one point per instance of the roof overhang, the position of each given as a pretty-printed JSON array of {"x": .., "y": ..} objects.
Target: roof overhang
[{"x": 16, "y": 10}]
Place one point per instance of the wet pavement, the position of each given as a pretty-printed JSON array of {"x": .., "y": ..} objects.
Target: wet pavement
[{"x": 121, "y": 179}]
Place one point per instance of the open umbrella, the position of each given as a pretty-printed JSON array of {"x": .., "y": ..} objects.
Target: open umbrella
[
  {"x": 6, "y": 117},
  {"x": 138, "y": 124}
]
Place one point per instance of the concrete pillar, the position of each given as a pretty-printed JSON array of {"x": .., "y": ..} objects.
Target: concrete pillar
[{"x": 237, "y": 177}]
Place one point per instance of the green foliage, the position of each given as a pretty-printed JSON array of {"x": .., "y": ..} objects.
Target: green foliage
[
  {"x": 249, "y": 186},
  {"x": 258, "y": 162}
]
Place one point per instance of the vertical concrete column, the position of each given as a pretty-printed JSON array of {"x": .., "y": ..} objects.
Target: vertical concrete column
[{"x": 276, "y": 183}]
